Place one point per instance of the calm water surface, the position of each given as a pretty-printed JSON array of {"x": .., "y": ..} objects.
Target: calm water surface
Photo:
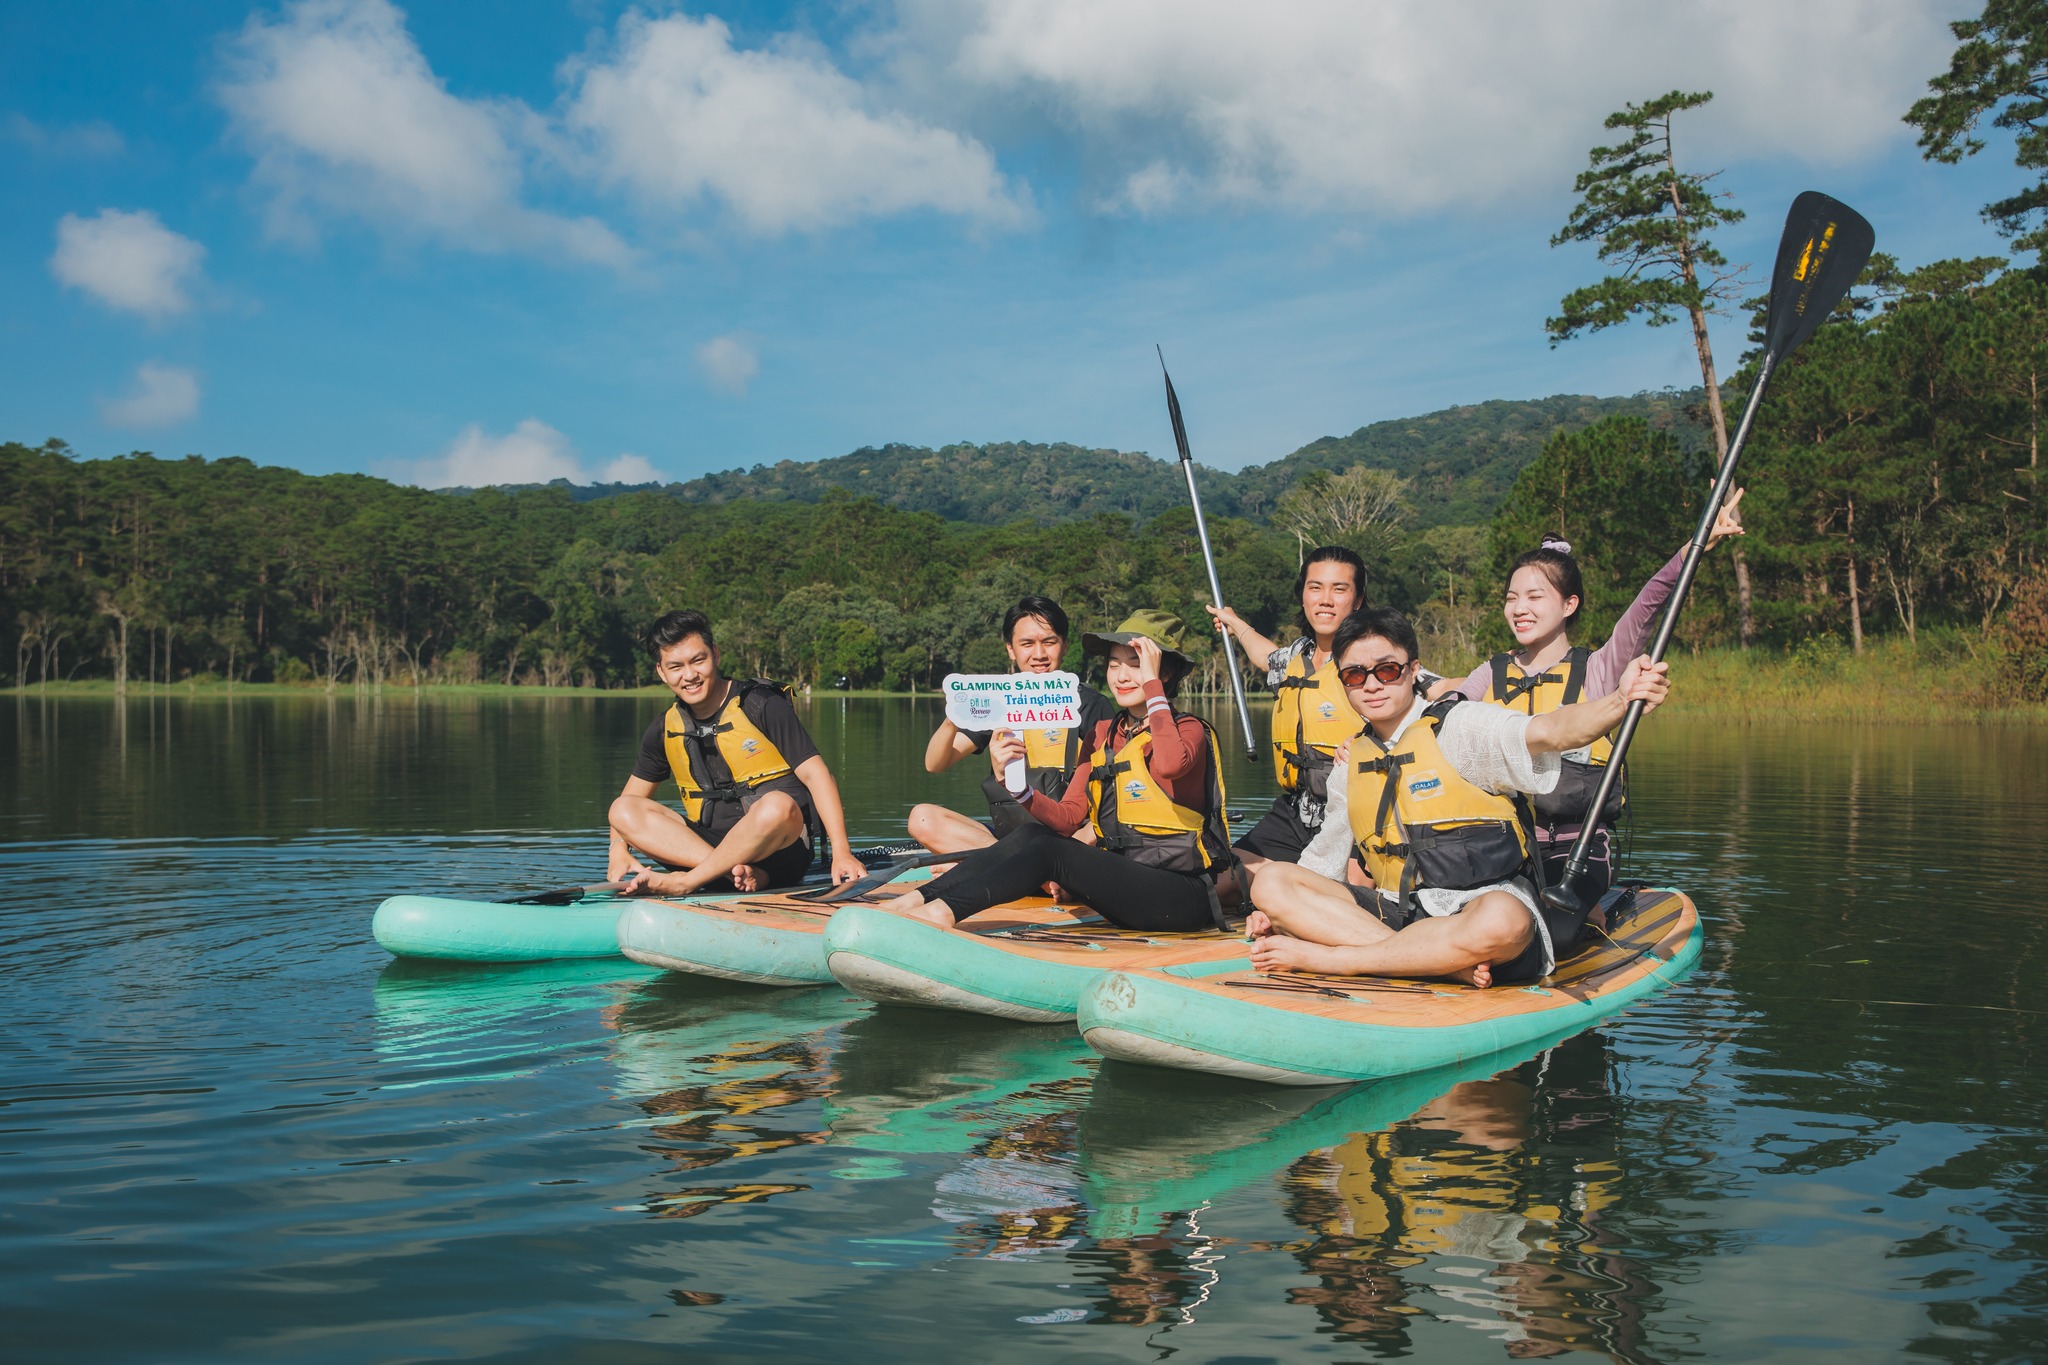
[{"x": 234, "y": 1129}]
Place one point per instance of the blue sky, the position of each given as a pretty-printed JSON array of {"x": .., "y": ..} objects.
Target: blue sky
[{"x": 463, "y": 241}]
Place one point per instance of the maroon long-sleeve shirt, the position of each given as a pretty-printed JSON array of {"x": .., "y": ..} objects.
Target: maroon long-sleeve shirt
[{"x": 1178, "y": 759}]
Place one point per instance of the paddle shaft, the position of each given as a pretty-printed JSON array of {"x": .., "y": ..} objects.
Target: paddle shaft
[
  {"x": 1575, "y": 866},
  {"x": 1244, "y": 710}
]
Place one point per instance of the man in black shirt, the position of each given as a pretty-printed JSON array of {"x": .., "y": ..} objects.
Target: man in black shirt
[
  {"x": 1035, "y": 638},
  {"x": 752, "y": 783}
]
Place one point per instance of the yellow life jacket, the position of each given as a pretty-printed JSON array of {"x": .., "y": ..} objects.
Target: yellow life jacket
[
  {"x": 1578, "y": 781},
  {"x": 1135, "y": 816},
  {"x": 1311, "y": 717},
  {"x": 1050, "y": 757},
  {"x": 1418, "y": 822},
  {"x": 749, "y": 755}
]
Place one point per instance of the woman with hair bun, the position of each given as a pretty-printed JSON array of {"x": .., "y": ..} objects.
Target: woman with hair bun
[{"x": 1546, "y": 671}]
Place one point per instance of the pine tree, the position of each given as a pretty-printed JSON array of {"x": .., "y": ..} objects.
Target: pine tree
[
  {"x": 1652, "y": 219},
  {"x": 2000, "y": 63}
]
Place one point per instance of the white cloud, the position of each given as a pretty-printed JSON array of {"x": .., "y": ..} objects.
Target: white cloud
[
  {"x": 630, "y": 469},
  {"x": 127, "y": 260},
  {"x": 343, "y": 114},
  {"x": 1331, "y": 104},
  {"x": 97, "y": 138},
  {"x": 677, "y": 115},
  {"x": 729, "y": 363},
  {"x": 532, "y": 452},
  {"x": 164, "y": 395}
]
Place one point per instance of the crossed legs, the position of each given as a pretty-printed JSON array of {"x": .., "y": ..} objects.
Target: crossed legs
[
  {"x": 1303, "y": 921},
  {"x": 774, "y": 822}
]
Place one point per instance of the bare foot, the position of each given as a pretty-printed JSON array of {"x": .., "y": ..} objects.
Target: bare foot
[
  {"x": 1055, "y": 890},
  {"x": 915, "y": 906},
  {"x": 1480, "y": 975},
  {"x": 1258, "y": 924},
  {"x": 745, "y": 877},
  {"x": 657, "y": 884},
  {"x": 1285, "y": 953},
  {"x": 912, "y": 905}
]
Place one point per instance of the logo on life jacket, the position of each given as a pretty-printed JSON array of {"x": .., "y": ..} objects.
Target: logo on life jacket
[
  {"x": 1327, "y": 710},
  {"x": 1426, "y": 785},
  {"x": 1053, "y": 736},
  {"x": 750, "y": 746},
  {"x": 1134, "y": 789}
]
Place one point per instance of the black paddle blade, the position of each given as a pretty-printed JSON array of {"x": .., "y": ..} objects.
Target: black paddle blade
[
  {"x": 1822, "y": 252},
  {"x": 1180, "y": 428}
]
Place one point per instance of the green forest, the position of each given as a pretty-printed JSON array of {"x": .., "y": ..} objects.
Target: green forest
[{"x": 1893, "y": 484}]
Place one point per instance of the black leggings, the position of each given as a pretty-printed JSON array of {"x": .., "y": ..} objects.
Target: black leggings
[
  {"x": 1599, "y": 863},
  {"x": 1122, "y": 892}
]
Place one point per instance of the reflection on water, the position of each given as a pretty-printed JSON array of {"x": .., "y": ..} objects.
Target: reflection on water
[{"x": 227, "y": 1115}]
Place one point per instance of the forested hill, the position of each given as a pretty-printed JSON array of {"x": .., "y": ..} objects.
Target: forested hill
[
  {"x": 989, "y": 485},
  {"x": 1460, "y": 461}
]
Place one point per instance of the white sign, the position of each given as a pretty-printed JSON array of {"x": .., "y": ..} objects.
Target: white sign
[{"x": 1013, "y": 701}]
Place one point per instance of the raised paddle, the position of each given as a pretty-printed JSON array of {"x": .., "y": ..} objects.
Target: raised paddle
[
  {"x": 1187, "y": 467},
  {"x": 1819, "y": 256}
]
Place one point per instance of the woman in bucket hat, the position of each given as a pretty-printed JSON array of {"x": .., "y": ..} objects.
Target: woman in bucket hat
[{"x": 1152, "y": 787}]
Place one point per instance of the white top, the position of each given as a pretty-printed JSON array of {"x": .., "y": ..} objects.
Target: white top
[{"x": 1489, "y": 748}]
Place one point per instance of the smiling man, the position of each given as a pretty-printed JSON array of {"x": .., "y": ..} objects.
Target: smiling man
[
  {"x": 1424, "y": 796},
  {"x": 752, "y": 783}
]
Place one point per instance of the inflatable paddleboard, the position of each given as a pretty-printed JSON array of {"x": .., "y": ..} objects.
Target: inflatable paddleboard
[
  {"x": 573, "y": 922},
  {"x": 1298, "y": 1028},
  {"x": 774, "y": 939},
  {"x": 496, "y": 931},
  {"x": 1029, "y": 960}
]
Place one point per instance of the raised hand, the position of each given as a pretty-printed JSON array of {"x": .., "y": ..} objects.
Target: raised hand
[
  {"x": 1148, "y": 657},
  {"x": 1728, "y": 520}
]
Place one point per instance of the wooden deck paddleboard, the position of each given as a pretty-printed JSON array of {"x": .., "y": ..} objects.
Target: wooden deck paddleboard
[
  {"x": 1299, "y": 1028},
  {"x": 1029, "y": 960}
]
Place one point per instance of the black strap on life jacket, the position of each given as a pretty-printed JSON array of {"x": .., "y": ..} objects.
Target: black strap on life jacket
[
  {"x": 1510, "y": 690},
  {"x": 730, "y": 790}
]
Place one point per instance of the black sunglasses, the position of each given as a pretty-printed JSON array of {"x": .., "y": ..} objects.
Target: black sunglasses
[{"x": 1354, "y": 675}]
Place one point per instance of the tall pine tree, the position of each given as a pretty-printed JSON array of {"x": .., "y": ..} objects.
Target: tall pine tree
[{"x": 1652, "y": 219}]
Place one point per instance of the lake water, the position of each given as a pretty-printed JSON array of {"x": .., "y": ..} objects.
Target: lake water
[{"x": 232, "y": 1128}]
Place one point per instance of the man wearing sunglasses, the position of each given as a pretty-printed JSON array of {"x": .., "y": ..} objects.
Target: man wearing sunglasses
[{"x": 1427, "y": 798}]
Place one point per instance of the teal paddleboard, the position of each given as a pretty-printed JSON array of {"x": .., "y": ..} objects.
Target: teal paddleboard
[
  {"x": 494, "y": 931},
  {"x": 1309, "y": 1029},
  {"x": 1029, "y": 960}
]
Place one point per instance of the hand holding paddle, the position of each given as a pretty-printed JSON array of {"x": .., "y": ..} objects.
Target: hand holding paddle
[{"x": 1820, "y": 254}]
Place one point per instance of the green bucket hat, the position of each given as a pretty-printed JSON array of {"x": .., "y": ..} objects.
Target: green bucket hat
[{"x": 1162, "y": 628}]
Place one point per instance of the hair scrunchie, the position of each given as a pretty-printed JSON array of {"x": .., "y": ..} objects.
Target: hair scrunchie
[{"x": 1557, "y": 543}]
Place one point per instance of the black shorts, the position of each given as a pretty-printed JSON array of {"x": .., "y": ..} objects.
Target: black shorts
[
  {"x": 785, "y": 867},
  {"x": 1526, "y": 965},
  {"x": 1279, "y": 836}
]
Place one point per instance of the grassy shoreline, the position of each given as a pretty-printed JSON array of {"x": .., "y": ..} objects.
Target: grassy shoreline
[{"x": 1892, "y": 682}]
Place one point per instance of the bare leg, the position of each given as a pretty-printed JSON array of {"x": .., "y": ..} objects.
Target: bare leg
[
  {"x": 1494, "y": 928},
  {"x": 1307, "y": 905},
  {"x": 658, "y": 831},
  {"x": 775, "y": 822},
  {"x": 946, "y": 831}
]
